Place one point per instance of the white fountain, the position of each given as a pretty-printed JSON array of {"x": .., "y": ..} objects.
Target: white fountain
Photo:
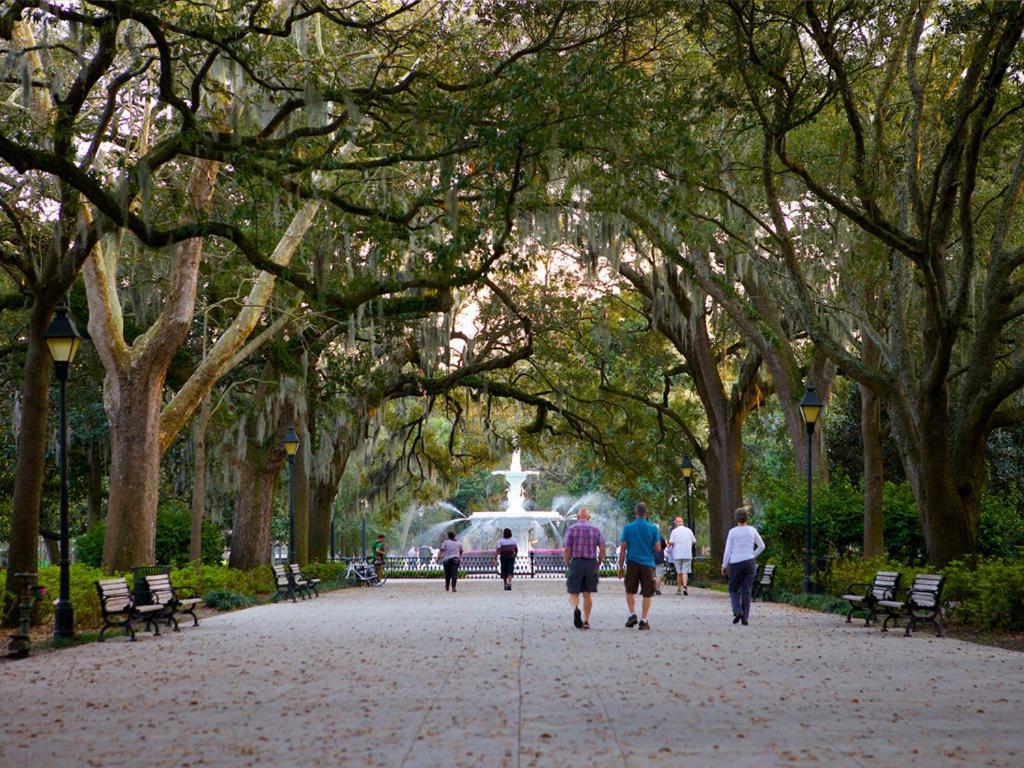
[{"x": 534, "y": 529}]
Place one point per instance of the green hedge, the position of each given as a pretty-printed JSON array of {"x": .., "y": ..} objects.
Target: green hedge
[{"x": 173, "y": 531}]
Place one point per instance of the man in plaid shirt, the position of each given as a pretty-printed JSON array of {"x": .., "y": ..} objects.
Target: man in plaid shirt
[{"x": 584, "y": 550}]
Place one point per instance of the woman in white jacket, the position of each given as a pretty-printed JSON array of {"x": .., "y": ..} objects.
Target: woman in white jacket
[{"x": 739, "y": 564}]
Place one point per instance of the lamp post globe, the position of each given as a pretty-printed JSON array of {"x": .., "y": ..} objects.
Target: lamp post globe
[
  {"x": 810, "y": 407},
  {"x": 63, "y": 340},
  {"x": 291, "y": 445}
]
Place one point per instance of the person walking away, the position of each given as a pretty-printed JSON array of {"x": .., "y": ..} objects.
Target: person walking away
[
  {"x": 506, "y": 552},
  {"x": 659, "y": 562},
  {"x": 451, "y": 557},
  {"x": 584, "y": 551},
  {"x": 682, "y": 540},
  {"x": 742, "y": 547},
  {"x": 379, "y": 551},
  {"x": 639, "y": 541}
]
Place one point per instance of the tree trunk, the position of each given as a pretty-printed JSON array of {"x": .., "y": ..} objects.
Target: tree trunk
[
  {"x": 725, "y": 485},
  {"x": 874, "y": 467},
  {"x": 133, "y": 408},
  {"x": 250, "y": 535},
  {"x": 23, "y": 551},
  {"x": 195, "y": 542}
]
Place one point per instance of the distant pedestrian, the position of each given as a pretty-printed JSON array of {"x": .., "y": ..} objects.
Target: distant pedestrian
[
  {"x": 659, "y": 562},
  {"x": 584, "y": 551},
  {"x": 640, "y": 540},
  {"x": 506, "y": 552},
  {"x": 451, "y": 557},
  {"x": 742, "y": 546},
  {"x": 379, "y": 551},
  {"x": 682, "y": 540}
]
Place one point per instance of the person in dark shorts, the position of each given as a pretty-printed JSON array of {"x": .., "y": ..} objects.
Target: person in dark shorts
[
  {"x": 506, "y": 552},
  {"x": 640, "y": 539},
  {"x": 379, "y": 551},
  {"x": 584, "y": 551}
]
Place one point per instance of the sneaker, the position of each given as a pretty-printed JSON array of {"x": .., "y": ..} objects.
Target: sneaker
[
  {"x": 743, "y": 622},
  {"x": 644, "y": 625},
  {"x": 736, "y": 619},
  {"x": 577, "y": 618},
  {"x": 684, "y": 591},
  {"x": 508, "y": 587},
  {"x": 679, "y": 591},
  {"x": 657, "y": 591},
  {"x": 586, "y": 625},
  {"x": 631, "y": 621}
]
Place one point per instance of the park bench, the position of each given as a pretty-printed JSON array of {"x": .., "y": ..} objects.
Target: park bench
[
  {"x": 162, "y": 592},
  {"x": 921, "y": 604},
  {"x": 301, "y": 582},
  {"x": 285, "y": 584},
  {"x": 119, "y": 609},
  {"x": 764, "y": 583},
  {"x": 883, "y": 587}
]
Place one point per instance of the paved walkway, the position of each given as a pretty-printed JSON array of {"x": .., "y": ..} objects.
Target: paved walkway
[{"x": 409, "y": 676}]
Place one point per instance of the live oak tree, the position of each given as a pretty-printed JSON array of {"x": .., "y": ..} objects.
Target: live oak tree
[{"x": 924, "y": 159}]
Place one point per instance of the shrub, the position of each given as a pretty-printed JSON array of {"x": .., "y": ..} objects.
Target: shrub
[
  {"x": 837, "y": 523},
  {"x": 823, "y": 603},
  {"x": 82, "y": 590},
  {"x": 256, "y": 581},
  {"x": 89, "y": 546},
  {"x": 857, "y": 570},
  {"x": 332, "y": 573},
  {"x": 173, "y": 532},
  {"x": 990, "y": 597},
  {"x": 227, "y": 599}
]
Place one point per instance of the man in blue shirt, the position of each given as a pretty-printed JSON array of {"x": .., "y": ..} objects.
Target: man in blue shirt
[{"x": 640, "y": 540}]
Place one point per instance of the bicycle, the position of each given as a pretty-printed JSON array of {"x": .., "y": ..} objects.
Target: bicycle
[{"x": 363, "y": 572}]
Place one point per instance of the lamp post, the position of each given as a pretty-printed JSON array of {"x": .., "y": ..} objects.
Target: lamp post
[
  {"x": 364, "y": 528},
  {"x": 291, "y": 445},
  {"x": 333, "y": 515},
  {"x": 62, "y": 339},
  {"x": 810, "y": 407},
  {"x": 687, "y": 469}
]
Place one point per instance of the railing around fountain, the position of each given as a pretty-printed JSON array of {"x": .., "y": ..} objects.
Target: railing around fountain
[{"x": 483, "y": 565}]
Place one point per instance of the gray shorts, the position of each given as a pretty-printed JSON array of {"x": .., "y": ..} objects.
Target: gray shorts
[
  {"x": 684, "y": 566},
  {"x": 582, "y": 576}
]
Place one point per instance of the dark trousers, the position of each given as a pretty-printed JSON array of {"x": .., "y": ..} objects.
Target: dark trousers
[
  {"x": 451, "y": 572},
  {"x": 741, "y": 580}
]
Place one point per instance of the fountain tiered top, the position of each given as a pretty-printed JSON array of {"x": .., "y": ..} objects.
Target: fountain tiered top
[{"x": 515, "y": 475}]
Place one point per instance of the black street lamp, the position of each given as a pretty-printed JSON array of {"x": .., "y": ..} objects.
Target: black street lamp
[
  {"x": 365, "y": 502},
  {"x": 62, "y": 339},
  {"x": 687, "y": 469},
  {"x": 333, "y": 515},
  {"x": 291, "y": 445},
  {"x": 810, "y": 407}
]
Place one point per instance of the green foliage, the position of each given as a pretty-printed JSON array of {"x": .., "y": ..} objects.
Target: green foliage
[
  {"x": 823, "y": 603},
  {"x": 82, "y": 590},
  {"x": 173, "y": 530},
  {"x": 227, "y": 599},
  {"x": 330, "y": 574},
  {"x": 1001, "y": 524},
  {"x": 990, "y": 597},
  {"x": 849, "y": 570},
  {"x": 256, "y": 581},
  {"x": 89, "y": 546},
  {"x": 837, "y": 519}
]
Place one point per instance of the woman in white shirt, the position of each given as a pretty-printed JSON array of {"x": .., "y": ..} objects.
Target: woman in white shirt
[{"x": 739, "y": 564}]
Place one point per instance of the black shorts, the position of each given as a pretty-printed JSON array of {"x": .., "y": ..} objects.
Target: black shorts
[
  {"x": 639, "y": 577},
  {"x": 582, "y": 576}
]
